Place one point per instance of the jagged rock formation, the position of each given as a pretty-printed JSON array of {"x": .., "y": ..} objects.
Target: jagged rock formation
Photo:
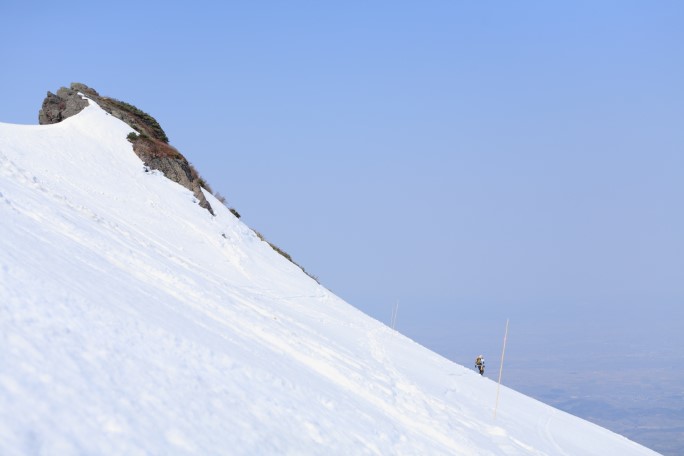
[
  {"x": 57, "y": 107},
  {"x": 150, "y": 144}
]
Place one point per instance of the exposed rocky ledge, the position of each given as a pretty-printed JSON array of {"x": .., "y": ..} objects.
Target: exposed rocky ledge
[
  {"x": 57, "y": 107},
  {"x": 150, "y": 144}
]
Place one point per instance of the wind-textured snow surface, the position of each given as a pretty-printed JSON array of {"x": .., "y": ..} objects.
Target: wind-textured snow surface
[{"x": 134, "y": 322}]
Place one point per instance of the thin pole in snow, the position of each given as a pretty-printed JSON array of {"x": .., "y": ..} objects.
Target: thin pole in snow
[
  {"x": 392, "y": 318},
  {"x": 503, "y": 352},
  {"x": 395, "y": 311}
]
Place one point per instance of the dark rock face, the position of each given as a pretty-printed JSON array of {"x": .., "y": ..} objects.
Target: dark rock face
[
  {"x": 151, "y": 145},
  {"x": 163, "y": 157},
  {"x": 178, "y": 170},
  {"x": 57, "y": 107}
]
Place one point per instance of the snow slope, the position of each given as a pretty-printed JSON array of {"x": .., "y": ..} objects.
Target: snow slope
[{"x": 133, "y": 322}]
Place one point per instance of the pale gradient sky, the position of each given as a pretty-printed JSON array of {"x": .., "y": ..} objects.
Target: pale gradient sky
[{"x": 476, "y": 161}]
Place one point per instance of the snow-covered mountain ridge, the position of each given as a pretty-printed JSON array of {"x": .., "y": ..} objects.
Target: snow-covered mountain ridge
[{"x": 132, "y": 321}]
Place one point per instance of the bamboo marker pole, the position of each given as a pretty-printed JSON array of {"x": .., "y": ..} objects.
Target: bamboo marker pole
[
  {"x": 503, "y": 352},
  {"x": 395, "y": 311},
  {"x": 392, "y": 319}
]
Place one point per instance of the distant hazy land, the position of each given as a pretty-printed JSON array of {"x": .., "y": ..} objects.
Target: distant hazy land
[
  {"x": 621, "y": 372},
  {"x": 634, "y": 387},
  {"x": 644, "y": 405}
]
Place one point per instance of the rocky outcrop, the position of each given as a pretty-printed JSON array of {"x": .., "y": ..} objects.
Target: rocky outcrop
[
  {"x": 150, "y": 144},
  {"x": 165, "y": 158},
  {"x": 57, "y": 107}
]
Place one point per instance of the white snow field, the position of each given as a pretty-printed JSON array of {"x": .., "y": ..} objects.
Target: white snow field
[{"x": 134, "y": 322}]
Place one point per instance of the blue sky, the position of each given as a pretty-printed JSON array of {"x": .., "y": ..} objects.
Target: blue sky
[{"x": 476, "y": 161}]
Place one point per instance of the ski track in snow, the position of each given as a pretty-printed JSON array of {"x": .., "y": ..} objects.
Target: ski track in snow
[
  {"x": 546, "y": 427},
  {"x": 134, "y": 322}
]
